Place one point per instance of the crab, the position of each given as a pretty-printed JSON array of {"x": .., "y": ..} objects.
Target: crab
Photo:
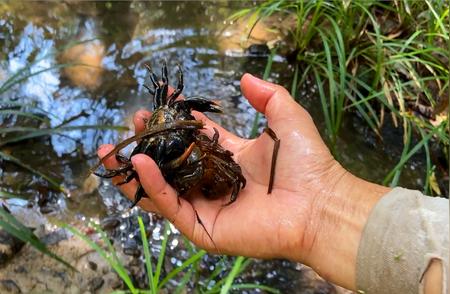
[{"x": 187, "y": 158}]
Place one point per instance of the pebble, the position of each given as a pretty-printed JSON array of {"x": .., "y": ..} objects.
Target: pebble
[
  {"x": 9, "y": 286},
  {"x": 109, "y": 223},
  {"x": 9, "y": 246},
  {"x": 92, "y": 265},
  {"x": 96, "y": 283}
]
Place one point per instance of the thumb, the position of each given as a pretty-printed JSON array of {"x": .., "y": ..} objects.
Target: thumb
[
  {"x": 272, "y": 100},
  {"x": 177, "y": 210}
]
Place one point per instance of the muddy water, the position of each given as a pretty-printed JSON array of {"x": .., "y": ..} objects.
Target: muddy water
[{"x": 107, "y": 44}]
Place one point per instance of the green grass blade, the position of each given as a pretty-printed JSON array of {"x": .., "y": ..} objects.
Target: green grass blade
[
  {"x": 34, "y": 132},
  {"x": 216, "y": 287},
  {"x": 4, "y": 194},
  {"x": 10, "y": 83},
  {"x": 181, "y": 288},
  {"x": 23, "y": 113},
  {"x": 232, "y": 275},
  {"x": 426, "y": 187},
  {"x": 323, "y": 100},
  {"x": 267, "y": 70},
  {"x": 405, "y": 158},
  {"x": 255, "y": 286},
  {"x": 179, "y": 269},
  {"x": 9, "y": 223},
  {"x": 117, "y": 266},
  {"x": 51, "y": 181},
  {"x": 294, "y": 85},
  {"x": 218, "y": 268},
  {"x": 161, "y": 254},
  {"x": 148, "y": 261},
  {"x": 398, "y": 172}
]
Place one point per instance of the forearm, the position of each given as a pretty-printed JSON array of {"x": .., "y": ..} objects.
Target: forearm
[
  {"x": 379, "y": 240},
  {"x": 342, "y": 212}
]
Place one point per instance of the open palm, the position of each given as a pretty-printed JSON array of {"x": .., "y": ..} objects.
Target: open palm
[{"x": 257, "y": 224}]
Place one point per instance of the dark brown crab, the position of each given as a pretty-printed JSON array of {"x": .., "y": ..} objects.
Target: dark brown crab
[{"x": 187, "y": 158}]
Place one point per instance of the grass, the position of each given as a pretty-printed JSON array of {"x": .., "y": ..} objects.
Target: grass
[
  {"x": 188, "y": 270},
  {"x": 255, "y": 126},
  {"x": 376, "y": 58},
  {"x": 14, "y": 227}
]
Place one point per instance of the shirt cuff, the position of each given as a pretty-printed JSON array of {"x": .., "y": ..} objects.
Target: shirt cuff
[{"x": 403, "y": 233}]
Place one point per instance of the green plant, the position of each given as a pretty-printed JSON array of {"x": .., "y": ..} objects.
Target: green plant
[
  {"x": 268, "y": 68},
  {"x": 375, "y": 57},
  {"x": 189, "y": 268}
]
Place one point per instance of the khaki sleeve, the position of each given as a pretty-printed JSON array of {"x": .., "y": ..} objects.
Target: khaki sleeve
[{"x": 404, "y": 232}]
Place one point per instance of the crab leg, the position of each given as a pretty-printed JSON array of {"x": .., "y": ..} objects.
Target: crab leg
[
  {"x": 177, "y": 162},
  {"x": 165, "y": 84},
  {"x": 171, "y": 99},
  {"x": 128, "y": 178},
  {"x": 140, "y": 193},
  {"x": 157, "y": 92},
  {"x": 168, "y": 127}
]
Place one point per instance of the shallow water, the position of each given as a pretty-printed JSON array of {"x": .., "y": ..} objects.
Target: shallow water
[{"x": 115, "y": 40}]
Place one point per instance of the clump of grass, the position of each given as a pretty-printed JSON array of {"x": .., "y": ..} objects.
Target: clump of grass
[
  {"x": 375, "y": 57},
  {"x": 188, "y": 269}
]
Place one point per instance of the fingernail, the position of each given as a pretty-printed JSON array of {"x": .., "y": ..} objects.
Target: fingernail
[{"x": 263, "y": 86}]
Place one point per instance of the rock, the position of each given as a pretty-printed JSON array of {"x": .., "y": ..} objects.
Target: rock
[
  {"x": 258, "y": 50},
  {"x": 55, "y": 237},
  {"x": 110, "y": 222},
  {"x": 96, "y": 283},
  {"x": 9, "y": 246},
  {"x": 9, "y": 286},
  {"x": 92, "y": 265},
  {"x": 34, "y": 272}
]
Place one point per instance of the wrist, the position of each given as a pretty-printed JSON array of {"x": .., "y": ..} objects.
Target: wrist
[{"x": 339, "y": 215}]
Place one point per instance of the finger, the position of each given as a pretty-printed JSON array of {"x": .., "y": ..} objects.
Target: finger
[
  {"x": 111, "y": 163},
  {"x": 128, "y": 189},
  {"x": 139, "y": 119},
  {"x": 176, "y": 210},
  {"x": 272, "y": 100}
]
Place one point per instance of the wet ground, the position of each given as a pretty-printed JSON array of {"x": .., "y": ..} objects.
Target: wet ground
[{"x": 107, "y": 45}]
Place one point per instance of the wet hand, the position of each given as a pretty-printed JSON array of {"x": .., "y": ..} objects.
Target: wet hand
[
  {"x": 295, "y": 221},
  {"x": 257, "y": 224}
]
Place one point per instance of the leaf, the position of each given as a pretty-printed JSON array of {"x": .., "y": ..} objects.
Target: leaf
[{"x": 434, "y": 184}]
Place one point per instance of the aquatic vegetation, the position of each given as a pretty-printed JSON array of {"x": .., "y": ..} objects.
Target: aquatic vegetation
[
  {"x": 383, "y": 60},
  {"x": 21, "y": 121},
  {"x": 188, "y": 270}
]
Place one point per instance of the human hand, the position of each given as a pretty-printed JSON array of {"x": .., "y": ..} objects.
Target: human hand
[{"x": 312, "y": 193}]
